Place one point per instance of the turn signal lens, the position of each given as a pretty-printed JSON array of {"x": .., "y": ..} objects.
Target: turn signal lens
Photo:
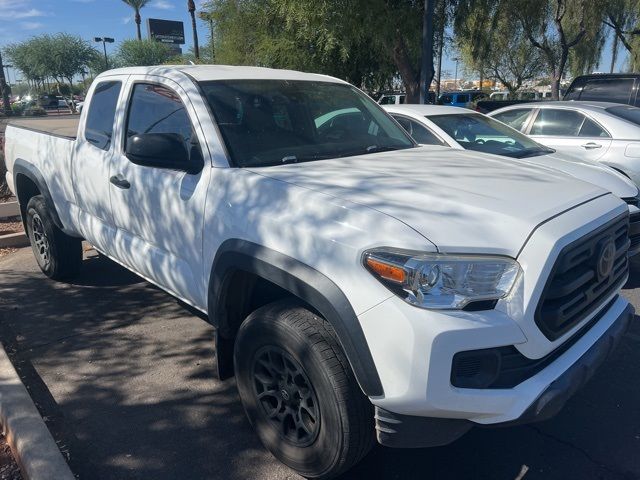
[{"x": 386, "y": 270}]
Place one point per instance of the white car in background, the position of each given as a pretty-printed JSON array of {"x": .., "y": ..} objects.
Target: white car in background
[
  {"x": 461, "y": 128},
  {"x": 604, "y": 132}
]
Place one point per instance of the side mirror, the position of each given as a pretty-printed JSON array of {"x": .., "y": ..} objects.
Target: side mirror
[{"x": 163, "y": 150}]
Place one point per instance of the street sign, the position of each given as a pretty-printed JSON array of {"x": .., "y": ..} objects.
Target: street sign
[{"x": 166, "y": 31}]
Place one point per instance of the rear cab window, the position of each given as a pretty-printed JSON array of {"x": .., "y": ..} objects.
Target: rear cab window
[
  {"x": 615, "y": 90},
  {"x": 98, "y": 129}
]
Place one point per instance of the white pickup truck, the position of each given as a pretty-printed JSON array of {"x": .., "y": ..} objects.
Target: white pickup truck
[{"x": 360, "y": 286}]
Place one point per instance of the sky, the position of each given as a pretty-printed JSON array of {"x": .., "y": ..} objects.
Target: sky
[{"x": 21, "y": 19}]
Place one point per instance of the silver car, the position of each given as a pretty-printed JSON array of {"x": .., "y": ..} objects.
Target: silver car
[{"x": 605, "y": 132}]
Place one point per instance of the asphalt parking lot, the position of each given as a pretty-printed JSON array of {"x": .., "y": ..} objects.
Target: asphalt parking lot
[{"x": 125, "y": 379}]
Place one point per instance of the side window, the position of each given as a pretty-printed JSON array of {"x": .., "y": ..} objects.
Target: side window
[
  {"x": 463, "y": 98},
  {"x": 559, "y": 123},
  {"x": 514, "y": 118},
  {"x": 592, "y": 129},
  {"x": 422, "y": 134},
  {"x": 102, "y": 111},
  {"x": 401, "y": 99},
  {"x": 575, "y": 89},
  {"x": 616, "y": 90},
  {"x": 406, "y": 124},
  {"x": 386, "y": 100},
  {"x": 157, "y": 109}
]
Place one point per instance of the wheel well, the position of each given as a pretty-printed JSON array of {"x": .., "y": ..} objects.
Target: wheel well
[
  {"x": 25, "y": 190},
  {"x": 243, "y": 293}
]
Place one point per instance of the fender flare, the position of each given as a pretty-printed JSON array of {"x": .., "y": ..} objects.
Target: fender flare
[
  {"x": 304, "y": 282},
  {"x": 22, "y": 167}
]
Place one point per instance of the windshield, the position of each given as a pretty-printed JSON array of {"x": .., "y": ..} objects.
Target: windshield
[
  {"x": 474, "y": 131},
  {"x": 630, "y": 114},
  {"x": 271, "y": 122}
]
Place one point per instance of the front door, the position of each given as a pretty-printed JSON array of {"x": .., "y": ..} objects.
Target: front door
[
  {"x": 159, "y": 211},
  {"x": 570, "y": 132}
]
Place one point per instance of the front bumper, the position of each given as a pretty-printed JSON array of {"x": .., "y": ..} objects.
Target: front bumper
[{"x": 406, "y": 431}]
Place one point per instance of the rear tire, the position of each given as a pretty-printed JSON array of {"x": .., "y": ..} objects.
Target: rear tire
[
  {"x": 299, "y": 393},
  {"x": 59, "y": 255}
]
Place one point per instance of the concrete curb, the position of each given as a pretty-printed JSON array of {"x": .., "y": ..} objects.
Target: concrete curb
[
  {"x": 15, "y": 240},
  {"x": 9, "y": 209},
  {"x": 33, "y": 446}
]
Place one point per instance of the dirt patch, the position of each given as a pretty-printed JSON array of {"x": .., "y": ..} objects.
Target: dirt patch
[
  {"x": 3, "y": 253},
  {"x": 9, "y": 469},
  {"x": 8, "y": 199},
  {"x": 10, "y": 225}
]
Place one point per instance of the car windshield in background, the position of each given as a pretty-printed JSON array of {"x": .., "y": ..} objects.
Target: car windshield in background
[
  {"x": 271, "y": 122},
  {"x": 630, "y": 114},
  {"x": 483, "y": 134}
]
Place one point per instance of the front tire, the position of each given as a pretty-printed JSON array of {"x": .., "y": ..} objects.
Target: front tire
[
  {"x": 59, "y": 256},
  {"x": 299, "y": 393}
]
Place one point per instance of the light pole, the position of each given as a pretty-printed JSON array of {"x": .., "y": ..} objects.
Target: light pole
[
  {"x": 104, "y": 41},
  {"x": 456, "y": 77},
  {"x": 8, "y": 73}
]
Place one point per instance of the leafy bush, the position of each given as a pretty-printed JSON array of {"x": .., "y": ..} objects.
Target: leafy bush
[
  {"x": 138, "y": 53},
  {"x": 34, "y": 112},
  {"x": 17, "y": 109}
]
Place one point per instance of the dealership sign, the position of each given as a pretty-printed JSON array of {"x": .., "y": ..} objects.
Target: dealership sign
[{"x": 166, "y": 31}]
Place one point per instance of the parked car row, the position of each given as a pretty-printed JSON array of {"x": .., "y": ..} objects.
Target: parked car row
[
  {"x": 464, "y": 129},
  {"x": 362, "y": 287}
]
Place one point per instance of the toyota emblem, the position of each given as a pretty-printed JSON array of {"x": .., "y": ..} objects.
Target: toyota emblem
[{"x": 606, "y": 259}]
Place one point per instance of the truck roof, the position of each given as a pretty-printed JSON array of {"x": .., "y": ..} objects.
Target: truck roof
[
  {"x": 66, "y": 126},
  {"x": 203, "y": 73}
]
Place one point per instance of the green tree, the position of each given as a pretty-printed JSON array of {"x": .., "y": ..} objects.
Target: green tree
[
  {"x": 4, "y": 90},
  {"x": 137, "y": 5},
  {"x": 623, "y": 17},
  {"x": 138, "y": 53},
  {"x": 555, "y": 27},
  {"x": 59, "y": 57},
  {"x": 367, "y": 42},
  {"x": 210, "y": 56}
]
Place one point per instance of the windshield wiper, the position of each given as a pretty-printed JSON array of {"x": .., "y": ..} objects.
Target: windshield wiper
[{"x": 380, "y": 148}]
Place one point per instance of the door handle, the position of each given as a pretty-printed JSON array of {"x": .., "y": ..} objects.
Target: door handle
[
  {"x": 591, "y": 146},
  {"x": 120, "y": 182}
]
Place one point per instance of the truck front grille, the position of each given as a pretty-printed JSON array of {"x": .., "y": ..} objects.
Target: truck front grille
[
  {"x": 586, "y": 273},
  {"x": 634, "y": 232}
]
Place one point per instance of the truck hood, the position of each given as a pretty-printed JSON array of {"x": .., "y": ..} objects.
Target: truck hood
[
  {"x": 592, "y": 172},
  {"x": 461, "y": 201}
]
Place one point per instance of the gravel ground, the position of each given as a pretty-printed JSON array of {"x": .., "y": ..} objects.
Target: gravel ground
[
  {"x": 10, "y": 225},
  {"x": 9, "y": 469}
]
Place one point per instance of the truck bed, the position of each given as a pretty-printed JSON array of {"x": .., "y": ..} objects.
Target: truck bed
[{"x": 65, "y": 127}]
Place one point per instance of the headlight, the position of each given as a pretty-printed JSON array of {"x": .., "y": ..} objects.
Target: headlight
[{"x": 437, "y": 281}]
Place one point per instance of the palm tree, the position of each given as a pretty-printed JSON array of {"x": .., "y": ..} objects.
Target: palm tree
[
  {"x": 137, "y": 5},
  {"x": 191, "y": 6}
]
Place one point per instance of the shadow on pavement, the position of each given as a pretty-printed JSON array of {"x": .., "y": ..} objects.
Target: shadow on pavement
[{"x": 125, "y": 378}]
